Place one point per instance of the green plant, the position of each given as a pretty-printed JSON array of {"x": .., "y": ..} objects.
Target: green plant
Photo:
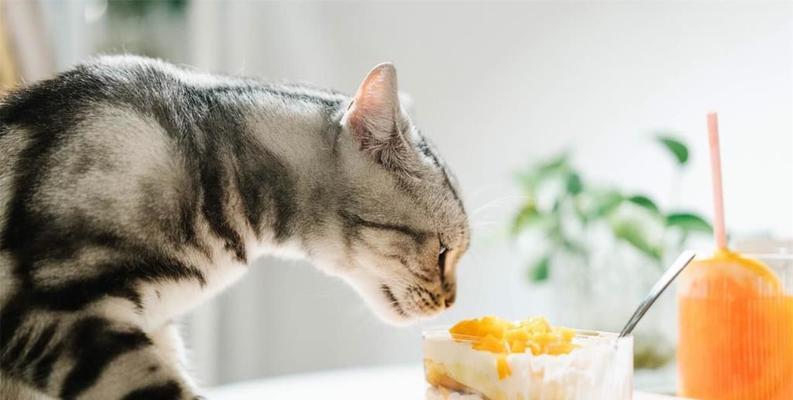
[
  {"x": 565, "y": 209},
  {"x": 140, "y": 8}
]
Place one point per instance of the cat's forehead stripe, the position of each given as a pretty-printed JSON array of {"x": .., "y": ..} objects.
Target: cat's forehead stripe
[{"x": 427, "y": 150}]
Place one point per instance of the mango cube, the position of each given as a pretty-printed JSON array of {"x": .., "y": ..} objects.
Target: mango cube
[{"x": 504, "y": 337}]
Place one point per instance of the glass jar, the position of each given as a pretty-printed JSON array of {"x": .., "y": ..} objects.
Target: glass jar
[{"x": 736, "y": 328}]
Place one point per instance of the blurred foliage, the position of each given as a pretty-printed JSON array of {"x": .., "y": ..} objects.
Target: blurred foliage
[
  {"x": 140, "y": 8},
  {"x": 152, "y": 28},
  {"x": 563, "y": 208},
  {"x": 675, "y": 147},
  {"x": 652, "y": 353}
]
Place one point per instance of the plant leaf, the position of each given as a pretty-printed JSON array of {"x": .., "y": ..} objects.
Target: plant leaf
[
  {"x": 593, "y": 203},
  {"x": 574, "y": 184},
  {"x": 574, "y": 247},
  {"x": 540, "y": 271},
  {"x": 553, "y": 165},
  {"x": 676, "y": 147},
  {"x": 526, "y": 180},
  {"x": 688, "y": 222},
  {"x": 644, "y": 202},
  {"x": 532, "y": 178},
  {"x": 631, "y": 232},
  {"x": 527, "y": 215},
  {"x": 607, "y": 202}
]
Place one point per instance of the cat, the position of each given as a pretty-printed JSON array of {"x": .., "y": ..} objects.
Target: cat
[{"x": 132, "y": 189}]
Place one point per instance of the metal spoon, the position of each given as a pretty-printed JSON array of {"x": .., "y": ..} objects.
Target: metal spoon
[{"x": 671, "y": 273}]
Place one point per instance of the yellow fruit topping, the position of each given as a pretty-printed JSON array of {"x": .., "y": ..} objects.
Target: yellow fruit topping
[
  {"x": 502, "y": 366},
  {"x": 490, "y": 343},
  {"x": 503, "y": 337}
]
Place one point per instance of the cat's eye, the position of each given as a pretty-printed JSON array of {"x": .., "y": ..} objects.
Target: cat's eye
[{"x": 442, "y": 259}]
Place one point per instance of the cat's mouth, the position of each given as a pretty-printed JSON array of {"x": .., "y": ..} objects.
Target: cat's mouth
[{"x": 414, "y": 303}]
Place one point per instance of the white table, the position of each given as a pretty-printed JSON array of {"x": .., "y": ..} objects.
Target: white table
[{"x": 383, "y": 383}]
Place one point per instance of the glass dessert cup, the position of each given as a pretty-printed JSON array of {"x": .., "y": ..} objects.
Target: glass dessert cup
[
  {"x": 736, "y": 328},
  {"x": 599, "y": 368}
]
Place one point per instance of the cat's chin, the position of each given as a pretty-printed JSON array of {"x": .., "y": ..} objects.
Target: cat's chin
[
  {"x": 400, "y": 318},
  {"x": 384, "y": 310},
  {"x": 384, "y": 303}
]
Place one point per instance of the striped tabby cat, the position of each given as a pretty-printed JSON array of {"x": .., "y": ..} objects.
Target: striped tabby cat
[{"x": 132, "y": 190}]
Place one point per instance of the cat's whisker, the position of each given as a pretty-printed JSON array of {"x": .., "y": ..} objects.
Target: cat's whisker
[
  {"x": 490, "y": 202},
  {"x": 486, "y": 189},
  {"x": 496, "y": 202}
]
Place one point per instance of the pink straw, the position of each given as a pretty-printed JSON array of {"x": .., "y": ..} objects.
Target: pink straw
[{"x": 718, "y": 194}]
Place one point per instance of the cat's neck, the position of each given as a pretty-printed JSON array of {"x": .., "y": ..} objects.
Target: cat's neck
[{"x": 300, "y": 143}]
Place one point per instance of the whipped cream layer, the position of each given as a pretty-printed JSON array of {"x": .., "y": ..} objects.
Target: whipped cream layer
[{"x": 600, "y": 368}]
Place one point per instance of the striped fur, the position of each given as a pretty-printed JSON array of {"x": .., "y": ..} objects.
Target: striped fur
[{"x": 131, "y": 190}]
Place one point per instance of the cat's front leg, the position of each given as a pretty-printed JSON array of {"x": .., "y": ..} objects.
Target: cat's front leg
[
  {"x": 171, "y": 347},
  {"x": 116, "y": 361},
  {"x": 14, "y": 389}
]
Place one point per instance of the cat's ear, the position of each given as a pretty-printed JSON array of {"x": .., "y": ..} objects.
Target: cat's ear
[
  {"x": 373, "y": 113},
  {"x": 373, "y": 117},
  {"x": 406, "y": 101}
]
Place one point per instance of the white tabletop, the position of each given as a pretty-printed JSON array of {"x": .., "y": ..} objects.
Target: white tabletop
[{"x": 384, "y": 383}]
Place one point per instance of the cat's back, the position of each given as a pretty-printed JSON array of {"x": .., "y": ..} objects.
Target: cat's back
[
  {"x": 145, "y": 88},
  {"x": 97, "y": 144},
  {"x": 131, "y": 144},
  {"x": 124, "y": 90}
]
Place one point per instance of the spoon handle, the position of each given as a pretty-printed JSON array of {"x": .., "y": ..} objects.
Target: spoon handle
[{"x": 671, "y": 273}]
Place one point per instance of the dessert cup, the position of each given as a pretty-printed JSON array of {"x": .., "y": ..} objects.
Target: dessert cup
[{"x": 599, "y": 368}]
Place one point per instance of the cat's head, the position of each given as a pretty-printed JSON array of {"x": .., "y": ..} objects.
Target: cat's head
[{"x": 401, "y": 224}]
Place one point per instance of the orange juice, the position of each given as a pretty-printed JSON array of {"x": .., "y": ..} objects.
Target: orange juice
[{"x": 736, "y": 330}]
